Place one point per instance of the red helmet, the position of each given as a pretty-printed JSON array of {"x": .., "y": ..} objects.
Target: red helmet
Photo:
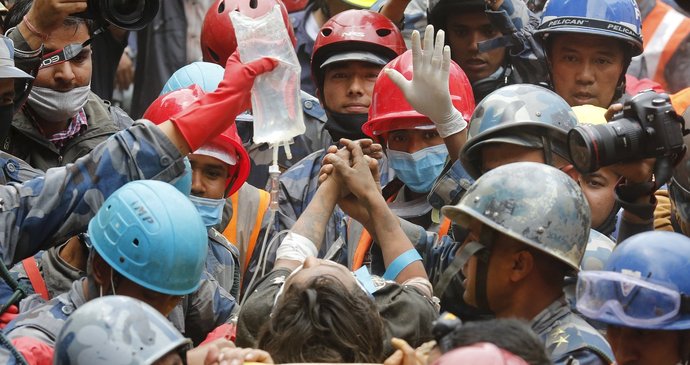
[
  {"x": 218, "y": 40},
  {"x": 390, "y": 111},
  {"x": 355, "y": 35},
  {"x": 295, "y": 5},
  {"x": 167, "y": 105}
]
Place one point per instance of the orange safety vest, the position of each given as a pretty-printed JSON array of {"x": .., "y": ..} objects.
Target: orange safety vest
[
  {"x": 663, "y": 30},
  {"x": 230, "y": 231},
  {"x": 681, "y": 100}
]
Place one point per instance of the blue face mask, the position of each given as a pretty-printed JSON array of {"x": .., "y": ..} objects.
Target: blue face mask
[
  {"x": 211, "y": 210},
  {"x": 184, "y": 182},
  {"x": 418, "y": 170}
]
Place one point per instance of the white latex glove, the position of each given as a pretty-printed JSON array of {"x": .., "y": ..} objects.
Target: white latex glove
[{"x": 427, "y": 92}]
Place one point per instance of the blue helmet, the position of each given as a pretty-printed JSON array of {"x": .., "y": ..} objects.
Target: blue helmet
[
  {"x": 116, "y": 330},
  {"x": 205, "y": 74},
  {"x": 153, "y": 235},
  {"x": 644, "y": 284},
  {"x": 618, "y": 19}
]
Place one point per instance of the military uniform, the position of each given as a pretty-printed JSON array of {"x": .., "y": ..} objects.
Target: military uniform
[
  {"x": 42, "y": 211},
  {"x": 195, "y": 316},
  {"x": 313, "y": 139},
  {"x": 568, "y": 338}
]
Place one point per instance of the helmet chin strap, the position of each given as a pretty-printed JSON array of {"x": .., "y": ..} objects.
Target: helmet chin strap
[{"x": 481, "y": 249}]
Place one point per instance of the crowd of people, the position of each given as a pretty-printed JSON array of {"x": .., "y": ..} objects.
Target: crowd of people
[{"x": 478, "y": 182}]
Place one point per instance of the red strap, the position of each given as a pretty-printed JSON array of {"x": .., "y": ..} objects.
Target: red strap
[{"x": 31, "y": 268}]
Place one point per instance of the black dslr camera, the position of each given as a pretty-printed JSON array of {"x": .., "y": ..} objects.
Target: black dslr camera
[
  {"x": 125, "y": 14},
  {"x": 648, "y": 128}
]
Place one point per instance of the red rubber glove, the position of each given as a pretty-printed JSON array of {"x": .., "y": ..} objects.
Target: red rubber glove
[
  {"x": 226, "y": 331},
  {"x": 11, "y": 313},
  {"x": 211, "y": 114},
  {"x": 35, "y": 352}
]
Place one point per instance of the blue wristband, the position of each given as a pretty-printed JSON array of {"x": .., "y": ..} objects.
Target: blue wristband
[{"x": 400, "y": 263}]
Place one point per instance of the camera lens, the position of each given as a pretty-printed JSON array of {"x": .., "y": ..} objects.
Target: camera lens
[
  {"x": 594, "y": 146},
  {"x": 128, "y": 7}
]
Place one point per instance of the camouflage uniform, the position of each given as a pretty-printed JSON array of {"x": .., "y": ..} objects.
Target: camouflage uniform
[
  {"x": 223, "y": 262},
  {"x": 568, "y": 338},
  {"x": 261, "y": 156},
  {"x": 42, "y": 211},
  {"x": 195, "y": 316}
]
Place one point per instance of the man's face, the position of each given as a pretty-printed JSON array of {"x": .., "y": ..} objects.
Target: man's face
[
  {"x": 598, "y": 188},
  {"x": 6, "y": 91},
  {"x": 73, "y": 73},
  {"x": 163, "y": 303},
  {"x": 412, "y": 140},
  {"x": 209, "y": 175},
  {"x": 348, "y": 86},
  {"x": 586, "y": 68},
  {"x": 644, "y": 347},
  {"x": 500, "y": 263},
  {"x": 464, "y": 31}
]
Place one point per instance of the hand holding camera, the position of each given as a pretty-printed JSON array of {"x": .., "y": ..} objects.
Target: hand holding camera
[{"x": 647, "y": 130}]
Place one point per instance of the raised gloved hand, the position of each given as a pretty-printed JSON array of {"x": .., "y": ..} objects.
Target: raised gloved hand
[
  {"x": 213, "y": 112},
  {"x": 428, "y": 92}
]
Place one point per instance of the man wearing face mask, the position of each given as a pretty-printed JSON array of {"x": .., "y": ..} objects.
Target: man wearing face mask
[
  {"x": 219, "y": 169},
  {"x": 62, "y": 119},
  {"x": 415, "y": 151}
]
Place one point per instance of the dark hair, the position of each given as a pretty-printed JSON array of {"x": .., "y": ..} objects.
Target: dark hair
[
  {"x": 21, "y": 8},
  {"x": 324, "y": 321},
  {"x": 512, "y": 335}
]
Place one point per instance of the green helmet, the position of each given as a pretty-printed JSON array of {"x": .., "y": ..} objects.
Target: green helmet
[
  {"x": 533, "y": 203},
  {"x": 521, "y": 114}
]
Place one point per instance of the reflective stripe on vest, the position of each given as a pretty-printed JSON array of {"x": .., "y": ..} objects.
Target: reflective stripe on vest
[
  {"x": 663, "y": 30},
  {"x": 35, "y": 277}
]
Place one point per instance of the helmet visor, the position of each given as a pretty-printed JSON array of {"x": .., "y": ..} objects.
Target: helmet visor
[{"x": 616, "y": 297}]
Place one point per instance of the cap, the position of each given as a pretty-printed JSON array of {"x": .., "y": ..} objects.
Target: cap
[
  {"x": 355, "y": 56},
  {"x": 7, "y": 68}
]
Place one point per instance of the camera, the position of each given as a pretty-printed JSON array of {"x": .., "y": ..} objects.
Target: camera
[
  {"x": 648, "y": 128},
  {"x": 125, "y": 14}
]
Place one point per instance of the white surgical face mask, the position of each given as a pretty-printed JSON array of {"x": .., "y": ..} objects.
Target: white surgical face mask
[{"x": 56, "y": 106}]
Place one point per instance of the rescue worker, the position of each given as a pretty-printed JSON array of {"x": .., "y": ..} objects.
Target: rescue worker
[
  {"x": 116, "y": 329},
  {"x": 528, "y": 226},
  {"x": 63, "y": 119},
  {"x": 307, "y": 24},
  {"x": 147, "y": 242},
  {"x": 218, "y": 42},
  {"x": 640, "y": 295},
  {"x": 242, "y": 230},
  {"x": 478, "y": 33},
  {"x": 589, "y": 45},
  {"x": 350, "y": 51},
  {"x": 219, "y": 169},
  {"x": 414, "y": 148},
  {"x": 666, "y": 35}
]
